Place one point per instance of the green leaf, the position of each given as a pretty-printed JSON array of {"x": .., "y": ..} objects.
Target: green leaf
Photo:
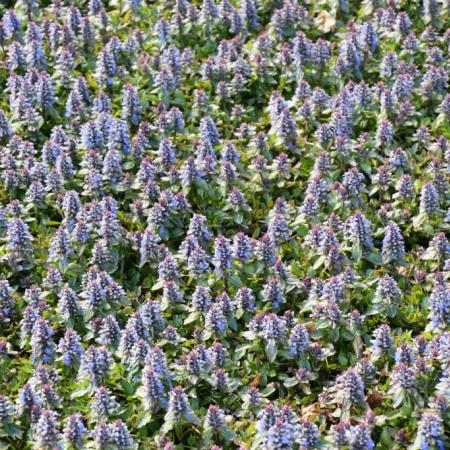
[
  {"x": 290, "y": 382},
  {"x": 269, "y": 390},
  {"x": 128, "y": 165},
  {"x": 11, "y": 430},
  {"x": 429, "y": 254},
  {"x": 207, "y": 436},
  {"x": 4, "y": 445},
  {"x": 373, "y": 258},
  {"x": 82, "y": 390},
  {"x": 127, "y": 387},
  {"x": 334, "y": 334},
  {"x": 193, "y": 419},
  {"x": 238, "y": 218},
  {"x": 385, "y": 438},
  {"x": 145, "y": 419},
  {"x": 343, "y": 361},
  {"x": 398, "y": 398},
  {"x": 228, "y": 434},
  {"x": 271, "y": 350},
  {"x": 319, "y": 262},
  {"x": 169, "y": 423},
  {"x": 233, "y": 325},
  {"x": 419, "y": 220},
  {"x": 428, "y": 229},
  {"x": 192, "y": 317},
  {"x": 356, "y": 252},
  {"x": 241, "y": 351},
  {"x": 235, "y": 281},
  {"x": 157, "y": 286}
]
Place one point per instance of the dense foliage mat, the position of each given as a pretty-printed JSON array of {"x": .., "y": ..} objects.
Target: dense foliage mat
[{"x": 224, "y": 225}]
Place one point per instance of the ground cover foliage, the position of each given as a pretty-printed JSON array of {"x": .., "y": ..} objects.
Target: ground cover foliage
[{"x": 224, "y": 225}]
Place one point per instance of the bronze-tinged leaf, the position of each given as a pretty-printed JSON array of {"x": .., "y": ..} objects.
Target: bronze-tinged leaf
[
  {"x": 375, "y": 398},
  {"x": 311, "y": 412},
  {"x": 255, "y": 382}
]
